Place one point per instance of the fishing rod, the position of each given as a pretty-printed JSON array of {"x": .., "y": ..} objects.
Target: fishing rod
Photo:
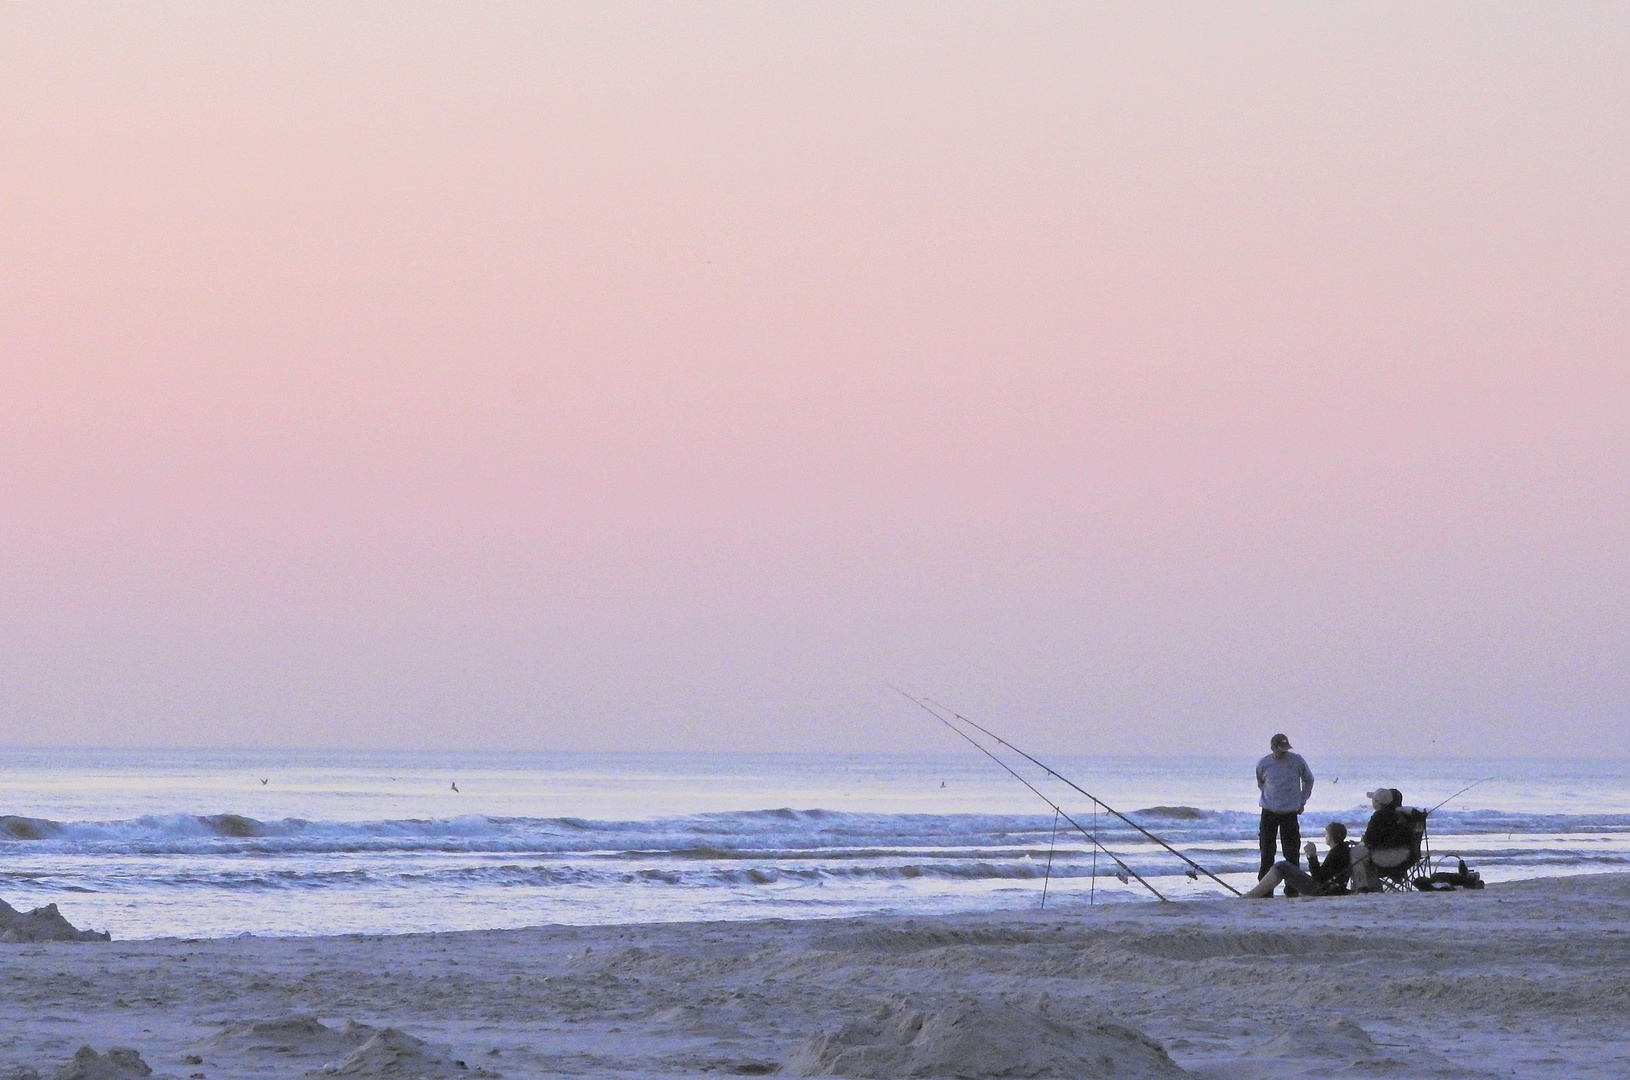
[
  {"x": 1057, "y": 776},
  {"x": 1052, "y": 841},
  {"x": 1058, "y": 810},
  {"x": 1458, "y": 794}
]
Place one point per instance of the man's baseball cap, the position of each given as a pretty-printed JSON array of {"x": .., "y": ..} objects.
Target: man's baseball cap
[
  {"x": 1280, "y": 739},
  {"x": 1385, "y": 794}
]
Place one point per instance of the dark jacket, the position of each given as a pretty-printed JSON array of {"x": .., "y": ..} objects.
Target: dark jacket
[
  {"x": 1333, "y": 873},
  {"x": 1388, "y": 829}
]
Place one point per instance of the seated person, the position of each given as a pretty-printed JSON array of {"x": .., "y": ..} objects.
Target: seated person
[
  {"x": 1388, "y": 840},
  {"x": 1328, "y": 878}
]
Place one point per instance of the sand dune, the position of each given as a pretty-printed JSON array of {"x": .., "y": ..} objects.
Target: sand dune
[
  {"x": 983, "y": 1037},
  {"x": 119, "y": 1063},
  {"x": 1530, "y": 979},
  {"x": 42, "y": 924}
]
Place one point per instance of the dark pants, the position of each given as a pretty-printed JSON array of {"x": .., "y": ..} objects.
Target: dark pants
[{"x": 1289, "y": 833}]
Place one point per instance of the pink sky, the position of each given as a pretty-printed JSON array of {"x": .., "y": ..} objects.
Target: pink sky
[{"x": 677, "y": 376}]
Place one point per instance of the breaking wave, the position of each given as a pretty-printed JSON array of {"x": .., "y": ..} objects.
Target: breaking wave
[{"x": 998, "y": 843}]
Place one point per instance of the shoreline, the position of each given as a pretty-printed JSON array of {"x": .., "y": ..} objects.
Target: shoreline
[
  {"x": 1528, "y": 978},
  {"x": 1062, "y": 902}
]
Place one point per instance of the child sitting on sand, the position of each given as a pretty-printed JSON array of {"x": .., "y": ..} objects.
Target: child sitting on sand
[{"x": 1328, "y": 878}]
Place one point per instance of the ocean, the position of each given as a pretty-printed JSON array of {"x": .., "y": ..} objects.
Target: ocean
[{"x": 218, "y": 843}]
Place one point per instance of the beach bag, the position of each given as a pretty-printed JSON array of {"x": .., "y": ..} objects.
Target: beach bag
[{"x": 1462, "y": 877}]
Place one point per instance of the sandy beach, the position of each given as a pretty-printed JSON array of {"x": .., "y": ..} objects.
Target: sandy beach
[
  {"x": 629, "y": 540},
  {"x": 1527, "y": 979}
]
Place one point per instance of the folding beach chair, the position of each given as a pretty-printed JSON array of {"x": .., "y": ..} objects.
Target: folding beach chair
[{"x": 1402, "y": 878}]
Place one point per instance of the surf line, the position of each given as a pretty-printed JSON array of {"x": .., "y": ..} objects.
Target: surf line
[
  {"x": 1058, "y": 810},
  {"x": 1194, "y": 867}
]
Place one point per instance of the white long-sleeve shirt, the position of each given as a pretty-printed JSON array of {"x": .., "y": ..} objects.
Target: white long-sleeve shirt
[{"x": 1285, "y": 783}]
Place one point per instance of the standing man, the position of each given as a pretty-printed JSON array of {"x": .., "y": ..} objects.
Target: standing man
[{"x": 1285, "y": 782}]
